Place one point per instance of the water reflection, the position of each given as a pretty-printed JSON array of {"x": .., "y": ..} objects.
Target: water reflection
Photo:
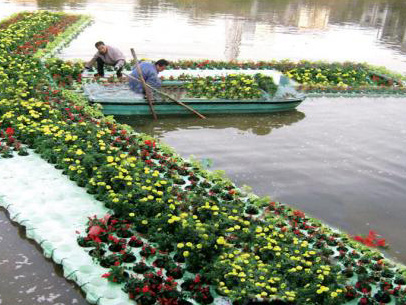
[
  {"x": 358, "y": 30},
  {"x": 258, "y": 124},
  {"x": 243, "y": 18},
  {"x": 387, "y": 16},
  {"x": 59, "y": 5}
]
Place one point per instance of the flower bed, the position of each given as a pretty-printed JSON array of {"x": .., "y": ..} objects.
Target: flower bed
[
  {"x": 317, "y": 76},
  {"x": 230, "y": 86},
  {"x": 193, "y": 224}
]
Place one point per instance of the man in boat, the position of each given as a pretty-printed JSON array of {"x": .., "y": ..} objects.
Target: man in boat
[
  {"x": 149, "y": 72},
  {"x": 107, "y": 55}
]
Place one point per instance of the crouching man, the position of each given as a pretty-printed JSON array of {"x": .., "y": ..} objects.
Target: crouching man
[{"x": 107, "y": 55}]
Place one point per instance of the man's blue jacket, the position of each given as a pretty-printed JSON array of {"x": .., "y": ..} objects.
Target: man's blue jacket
[{"x": 150, "y": 74}]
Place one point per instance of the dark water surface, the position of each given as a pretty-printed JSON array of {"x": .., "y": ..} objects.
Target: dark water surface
[
  {"x": 340, "y": 159},
  {"x": 26, "y": 276}
]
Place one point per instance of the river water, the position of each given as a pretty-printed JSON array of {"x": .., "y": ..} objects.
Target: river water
[
  {"x": 357, "y": 30},
  {"x": 339, "y": 159}
]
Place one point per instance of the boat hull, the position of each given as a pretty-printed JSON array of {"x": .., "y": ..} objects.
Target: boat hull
[{"x": 204, "y": 107}]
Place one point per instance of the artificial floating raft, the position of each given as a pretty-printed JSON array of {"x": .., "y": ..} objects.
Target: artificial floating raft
[{"x": 206, "y": 91}]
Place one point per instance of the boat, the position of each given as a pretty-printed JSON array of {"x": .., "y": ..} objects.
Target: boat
[{"x": 118, "y": 99}]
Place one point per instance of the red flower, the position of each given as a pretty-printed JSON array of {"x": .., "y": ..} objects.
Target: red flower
[
  {"x": 10, "y": 140},
  {"x": 381, "y": 242},
  {"x": 371, "y": 240},
  {"x": 95, "y": 230},
  {"x": 106, "y": 275},
  {"x": 150, "y": 143},
  {"x": 145, "y": 289},
  {"x": 299, "y": 214},
  {"x": 9, "y": 131}
]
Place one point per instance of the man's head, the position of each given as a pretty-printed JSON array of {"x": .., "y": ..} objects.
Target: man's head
[
  {"x": 161, "y": 65},
  {"x": 101, "y": 47}
]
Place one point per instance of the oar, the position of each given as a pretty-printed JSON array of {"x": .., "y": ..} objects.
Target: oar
[
  {"x": 144, "y": 85},
  {"x": 168, "y": 96},
  {"x": 159, "y": 92}
]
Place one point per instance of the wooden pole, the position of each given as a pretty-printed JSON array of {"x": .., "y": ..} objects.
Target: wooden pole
[
  {"x": 147, "y": 90},
  {"x": 169, "y": 97}
]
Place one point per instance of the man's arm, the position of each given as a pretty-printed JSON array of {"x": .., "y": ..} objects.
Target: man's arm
[
  {"x": 120, "y": 63},
  {"x": 90, "y": 64}
]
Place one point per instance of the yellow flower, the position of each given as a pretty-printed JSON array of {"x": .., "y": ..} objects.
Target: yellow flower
[
  {"x": 185, "y": 253},
  {"x": 131, "y": 214},
  {"x": 110, "y": 159},
  {"x": 180, "y": 245},
  {"x": 221, "y": 240}
]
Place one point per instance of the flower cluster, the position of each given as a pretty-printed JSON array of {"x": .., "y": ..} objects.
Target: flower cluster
[
  {"x": 329, "y": 76},
  {"x": 9, "y": 143},
  {"x": 226, "y": 87},
  {"x": 372, "y": 240},
  {"x": 64, "y": 73}
]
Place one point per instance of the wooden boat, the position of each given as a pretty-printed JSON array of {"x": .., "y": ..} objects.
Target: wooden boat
[{"x": 119, "y": 99}]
